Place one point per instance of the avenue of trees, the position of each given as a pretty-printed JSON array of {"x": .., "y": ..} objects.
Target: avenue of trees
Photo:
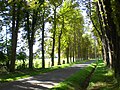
[
  {"x": 58, "y": 27},
  {"x": 51, "y": 26},
  {"x": 105, "y": 16}
]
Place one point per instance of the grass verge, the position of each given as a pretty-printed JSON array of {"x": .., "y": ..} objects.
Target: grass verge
[
  {"x": 75, "y": 82},
  {"x": 103, "y": 79},
  {"x": 24, "y": 73}
]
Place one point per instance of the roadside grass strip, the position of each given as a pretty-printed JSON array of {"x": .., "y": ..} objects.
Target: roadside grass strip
[
  {"x": 75, "y": 82},
  {"x": 103, "y": 79}
]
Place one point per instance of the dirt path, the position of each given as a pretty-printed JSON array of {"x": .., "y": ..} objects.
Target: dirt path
[{"x": 43, "y": 81}]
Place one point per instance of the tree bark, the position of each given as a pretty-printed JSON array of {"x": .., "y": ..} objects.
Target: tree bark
[
  {"x": 111, "y": 33},
  {"x": 104, "y": 39},
  {"x": 117, "y": 14},
  {"x": 13, "y": 49},
  {"x": 70, "y": 49},
  {"x": 67, "y": 53},
  {"x": 31, "y": 42},
  {"x": 54, "y": 33},
  {"x": 14, "y": 35},
  {"x": 30, "y": 35},
  {"x": 59, "y": 42},
  {"x": 43, "y": 26}
]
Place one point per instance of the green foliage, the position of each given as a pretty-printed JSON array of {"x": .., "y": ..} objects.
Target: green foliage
[
  {"x": 71, "y": 33},
  {"x": 56, "y": 2},
  {"x": 21, "y": 56},
  {"x": 69, "y": 26},
  {"x": 3, "y": 57}
]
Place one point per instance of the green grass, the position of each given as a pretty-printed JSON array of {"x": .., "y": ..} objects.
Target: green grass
[
  {"x": 37, "y": 63},
  {"x": 75, "y": 82},
  {"x": 103, "y": 79}
]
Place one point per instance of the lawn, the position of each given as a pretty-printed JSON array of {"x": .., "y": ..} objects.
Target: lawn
[{"x": 37, "y": 63}]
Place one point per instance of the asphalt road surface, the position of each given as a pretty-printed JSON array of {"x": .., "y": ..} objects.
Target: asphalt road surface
[{"x": 44, "y": 81}]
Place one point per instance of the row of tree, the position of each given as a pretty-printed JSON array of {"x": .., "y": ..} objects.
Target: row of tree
[
  {"x": 23, "y": 23},
  {"x": 105, "y": 16}
]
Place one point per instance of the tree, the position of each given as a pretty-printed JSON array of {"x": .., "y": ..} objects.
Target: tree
[
  {"x": 55, "y": 3},
  {"x": 15, "y": 28},
  {"x": 31, "y": 31},
  {"x": 68, "y": 15},
  {"x": 43, "y": 57},
  {"x": 109, "y": 31}
]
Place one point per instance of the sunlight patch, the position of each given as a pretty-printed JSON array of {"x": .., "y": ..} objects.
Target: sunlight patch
[{"x": 47, "y": 84}]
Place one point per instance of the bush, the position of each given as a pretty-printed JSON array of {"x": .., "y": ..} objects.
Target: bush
[{"x": 22, "y": 56}]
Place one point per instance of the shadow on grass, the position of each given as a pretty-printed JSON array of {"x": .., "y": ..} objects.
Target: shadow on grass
[{"x": 102, "y": 79}]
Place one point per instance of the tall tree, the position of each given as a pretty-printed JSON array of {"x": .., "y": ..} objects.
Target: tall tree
[
  {"x": 31, "y": 31},
  {"x": 43, "y": 27},
  {"x": 15, "y": 28},
  {"x": 59, "y": 41},
  {"x": 55, "y": 4}
]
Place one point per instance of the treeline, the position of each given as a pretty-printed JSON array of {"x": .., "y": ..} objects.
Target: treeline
[
  {"x": 105, "y": 16},
  {"x": 23, "y": 24}
]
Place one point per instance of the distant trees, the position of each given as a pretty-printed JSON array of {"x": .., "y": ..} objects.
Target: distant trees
[{"x": 65, "y": 29}]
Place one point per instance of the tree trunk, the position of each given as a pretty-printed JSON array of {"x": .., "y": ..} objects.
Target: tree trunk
[
  {"x": 73, "y": 56},
  {"x": 111, "y": 33},
  {"x": 104, "y": 39},
  {"x": 117, "y": 14},
  {"x": 30, "y": 54},
  {"x": 59, "y": 42},
  {"x": 13, "y": 50},
  {"x": 54, "y": 33},
  {"x": 14, "y": 36},
  {"x": 43, "y": 26},
  {"x": 70, "y": 52},
  {"x": 67, "y": 53},
  {"x": 30, "y": 35}
]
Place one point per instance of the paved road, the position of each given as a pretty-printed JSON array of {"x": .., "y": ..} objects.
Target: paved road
[{"x": 43, "y": 81}]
